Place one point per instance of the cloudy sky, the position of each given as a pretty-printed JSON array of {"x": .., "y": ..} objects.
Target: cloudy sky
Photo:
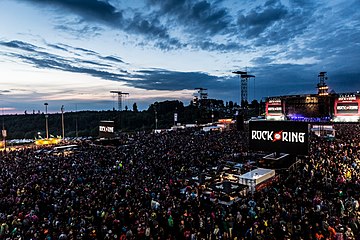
[{"x": 74, "y": 52}]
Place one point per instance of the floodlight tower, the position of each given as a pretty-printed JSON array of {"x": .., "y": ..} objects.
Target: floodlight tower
[
  {"x": 322, "y": 86},
  {"x": 202, "y": 93},
  {"x": 46, "y": 121},
  {"x": 244, "y": 85},
  {"x": 62, "y": 122},
  {"x": 120, "y": 95},
  {"x": 4, "y": 134}
]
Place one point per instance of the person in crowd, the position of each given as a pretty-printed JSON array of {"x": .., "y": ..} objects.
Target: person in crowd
[{"x": 140, "y": 190}]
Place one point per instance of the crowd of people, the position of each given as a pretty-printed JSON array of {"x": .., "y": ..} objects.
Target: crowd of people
[{"x": 133, "y": 191}]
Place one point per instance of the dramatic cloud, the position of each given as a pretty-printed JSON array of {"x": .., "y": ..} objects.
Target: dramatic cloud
[
  {"x": 19, "y": 45},
  {"x": 198, "y": 20},
  {"x": 4, "y": 91},
  {"x": 45, "y": 60},
  {"x": 55, "y": 62},
  {"x": 274, "y": 23},
  {"x": 152, "y": 29},
  {"x": 150, "y": 79},
  {"x": 113, "y": 59},
  {"x": 257, "y": 21},
  {"x": 198, "y": 24},
  {"x": 178, "y": 45},
  {"x": 102, "y": 12},
  {"x": 195, "y": 16},
  {"x": 161, "y": 79},
  {"x": 90, "y": 9}
]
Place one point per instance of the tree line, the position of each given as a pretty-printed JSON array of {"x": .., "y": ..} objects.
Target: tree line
[{"x": 86, "y": 123}]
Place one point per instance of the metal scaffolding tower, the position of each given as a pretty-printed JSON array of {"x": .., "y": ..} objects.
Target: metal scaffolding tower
[
  {"x": 322, "y": 86},
  {"x": 120, "y": 95},
  {"x": 244, "y": 85},
  {"x": 202, "y": 93}
]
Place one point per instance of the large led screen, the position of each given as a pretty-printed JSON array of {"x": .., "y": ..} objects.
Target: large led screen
[
  {"x": 106, "y": 129},
  {"x": 279, "y": 136},
  {"x": 347, "y": 108}
]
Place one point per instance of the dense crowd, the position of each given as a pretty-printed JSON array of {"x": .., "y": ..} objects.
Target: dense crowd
[{"x": 132, "y": 191}]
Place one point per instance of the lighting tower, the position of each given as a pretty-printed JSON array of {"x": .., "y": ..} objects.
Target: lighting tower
[
  {"x": 244, "y": 85},
  {"x": 4, "y": 133},
  {"x": 322, "y": 86},
  {"x": 46, "y": 121},
  {"x": 202, "y": 93},
  {"x": 62, "y": 122},
  {"x": 120, "y": 95}
]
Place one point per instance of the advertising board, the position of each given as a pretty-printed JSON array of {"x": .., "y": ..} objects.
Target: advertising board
[
  {"x": 274, "y": 107},
  {"x": 106, "y": 129},
  {"x": 347, "y": 105},
  {"x": 279, "y": 136}
]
